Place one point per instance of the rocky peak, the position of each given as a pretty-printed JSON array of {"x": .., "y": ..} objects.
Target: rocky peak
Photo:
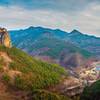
[
  {"x": 4, "y": 38},
  {"x": 75, "y": 32}
]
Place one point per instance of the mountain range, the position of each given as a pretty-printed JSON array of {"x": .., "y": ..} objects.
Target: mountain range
[{"x": 57, "y": 45}]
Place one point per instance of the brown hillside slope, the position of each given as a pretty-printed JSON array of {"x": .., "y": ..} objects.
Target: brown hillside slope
[
  {"x": 7, "y": 93},
  {"x": 25, "y": 78}
]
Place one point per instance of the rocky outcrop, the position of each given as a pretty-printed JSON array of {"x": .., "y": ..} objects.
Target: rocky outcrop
[{"x": 5, "y": 38}]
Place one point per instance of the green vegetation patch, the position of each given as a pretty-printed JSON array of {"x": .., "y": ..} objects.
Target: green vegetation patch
[{"x": 35, "y": 74}]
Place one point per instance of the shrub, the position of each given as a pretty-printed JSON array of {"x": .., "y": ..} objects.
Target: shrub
[
  {"x": 92, "y": 92},
  {"x": 6, "y": 78},
  {"x": 20, "y": 83},
  {"x": 2, "y": 61}
]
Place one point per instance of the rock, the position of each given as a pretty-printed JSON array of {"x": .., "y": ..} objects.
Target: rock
[{"x": 5, "y": 38}]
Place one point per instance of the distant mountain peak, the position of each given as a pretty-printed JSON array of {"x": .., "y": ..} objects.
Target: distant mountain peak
[
  {"x": 31, "y": 27},
  {"x": 75, "y": 31},
  {"x": 58, "y": 30}
]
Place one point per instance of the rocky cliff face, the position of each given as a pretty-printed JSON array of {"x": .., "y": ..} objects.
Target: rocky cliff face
[{"x": 5, "y": 38}]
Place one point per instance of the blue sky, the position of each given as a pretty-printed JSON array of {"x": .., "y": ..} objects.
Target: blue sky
[{"x": 83, "y": 15}]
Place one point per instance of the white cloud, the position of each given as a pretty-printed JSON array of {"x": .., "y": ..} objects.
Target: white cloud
[{"x": 87, "y": 21}]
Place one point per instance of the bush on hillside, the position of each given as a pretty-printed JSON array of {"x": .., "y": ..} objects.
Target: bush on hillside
[{"x": 92, "y": 92}]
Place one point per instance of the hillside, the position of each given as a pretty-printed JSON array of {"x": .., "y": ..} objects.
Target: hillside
[
  {"x": 20, "y": 72},
  {"x": 58, "y": 50},
  {"x": 53, "y": 47}
]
